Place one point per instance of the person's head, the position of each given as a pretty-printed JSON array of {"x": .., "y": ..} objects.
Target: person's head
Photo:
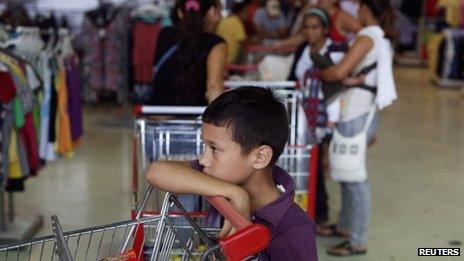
[
  {"x": 239, "y": 8},
  {"x": 316, "y": 25},
  {"x": 198, "y": 15},
  {"x": 273, "y": 8},
  {"x": 244, "y": 130},
  {"x": 380, "y": 12},
  {"x": 327, "y": 4}
]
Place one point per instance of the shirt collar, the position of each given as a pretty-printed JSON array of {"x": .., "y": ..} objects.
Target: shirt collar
[{"x": 274, "y": 211}]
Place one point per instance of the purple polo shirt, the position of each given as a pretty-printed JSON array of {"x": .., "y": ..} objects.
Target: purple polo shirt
[{"x": 293, "y": 232}]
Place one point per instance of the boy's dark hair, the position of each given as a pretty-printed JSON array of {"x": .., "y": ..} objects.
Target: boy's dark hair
[{"x": 254, "y": 116}]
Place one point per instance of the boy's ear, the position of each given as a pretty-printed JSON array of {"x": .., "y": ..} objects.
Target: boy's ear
[{"x": 263, "y": 157}]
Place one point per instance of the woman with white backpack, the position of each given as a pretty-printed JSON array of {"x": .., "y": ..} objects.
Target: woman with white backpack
[{"x": 370, "y": 55}]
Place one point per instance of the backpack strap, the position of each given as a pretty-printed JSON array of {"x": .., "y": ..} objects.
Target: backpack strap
[
  {"x": 365, "y": 71},
  {"x": 165, "y": 57}
]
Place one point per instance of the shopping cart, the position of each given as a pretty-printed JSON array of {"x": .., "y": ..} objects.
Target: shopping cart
[
  {"x": 157, "y": 137},
  {"x": 174, "y": 133},
  {"x": 254, "y": 54},
  {"x": 147, "y": 237}
]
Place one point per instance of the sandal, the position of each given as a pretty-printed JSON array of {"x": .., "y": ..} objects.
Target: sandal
[
  {"x": 331, "y": 231},
  {"x": 346, "y": 249}
]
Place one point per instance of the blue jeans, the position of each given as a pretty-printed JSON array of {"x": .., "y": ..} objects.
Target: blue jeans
[{"x": 355, "y": 209}]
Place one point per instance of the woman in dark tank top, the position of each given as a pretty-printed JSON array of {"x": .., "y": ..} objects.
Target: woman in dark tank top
[{"x": 192, "y": 73}]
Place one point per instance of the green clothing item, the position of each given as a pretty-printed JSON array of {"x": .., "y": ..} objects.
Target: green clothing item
[
  {"x": 18, "y": 113},
  {"x": 36, "y": 118}
]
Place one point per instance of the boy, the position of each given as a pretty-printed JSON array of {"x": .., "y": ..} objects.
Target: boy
[{"x": 245, "y": 131}]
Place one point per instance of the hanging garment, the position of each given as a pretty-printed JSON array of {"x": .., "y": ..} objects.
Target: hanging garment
[
  {"x": 73, "y": 82},
  {"x": 64, "y": 139},
  {"x": 452, "y": 10},
  {"x": 53, "y": 104},
  {"x": 433, "y": 49},
  {"x": 46, "y": 151},
  {"x": 406, "y": 31},
  {"x": 431, "y": 9},
  {"x": 144, "y": 37},
  {"x": 18, "y": 162},
  {"x": 2, "y": 170},
  {"x": 105, "y": 60},
  {"x": 29, "y": 139},
  {"x": 25, "y": 100},
  {"x": 8, "y": 89},
  {"x": 7, "y": 92},
  {"x": 451, "y": 67},
  {"x": 461, "y": 12}
]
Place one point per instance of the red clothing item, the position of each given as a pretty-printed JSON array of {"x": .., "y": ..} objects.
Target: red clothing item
[
  {"x": 29, "y": 138},
  {"x": 8, "y": 89},
  {"x": 249, "y": 25},
  {"x": 144, "y": 37},
  {"x": 334, "y": 33},
  {"x": 431, "y": 9}
]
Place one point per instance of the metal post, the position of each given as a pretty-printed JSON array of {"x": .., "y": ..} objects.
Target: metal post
[
  {"x": 62, "y": 249},
  {"x": 2, "y": 209},
  {"x": 11, "y": 212}
]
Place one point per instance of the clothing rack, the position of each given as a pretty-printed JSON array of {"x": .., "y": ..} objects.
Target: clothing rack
[
  {"x": 15, "y": 228},
  {"x": 12, "y": 228},
  {"x": 417, "y": 59},
  {"x": 451, "y": 83}
]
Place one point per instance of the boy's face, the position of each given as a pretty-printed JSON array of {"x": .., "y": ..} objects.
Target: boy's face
[{"x": 222, "y": 157}]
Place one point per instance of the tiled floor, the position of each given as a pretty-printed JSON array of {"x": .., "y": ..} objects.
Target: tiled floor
[{"x": 415, "y": 169}]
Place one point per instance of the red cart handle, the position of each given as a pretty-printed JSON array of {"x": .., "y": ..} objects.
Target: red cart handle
[
  {"x": 246, "y": 242},
  {"x": 249, "y": 238}
]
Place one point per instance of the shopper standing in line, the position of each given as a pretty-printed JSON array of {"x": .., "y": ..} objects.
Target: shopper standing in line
[
  {"x": 320, "y": 116},
  {"x": 370, "y": 55},
  {"x": 190, "y": 60},
  {"x": 342, "y": 24}
]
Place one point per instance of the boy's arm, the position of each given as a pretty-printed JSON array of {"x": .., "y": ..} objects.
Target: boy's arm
[{"x": 180, "y": 177}]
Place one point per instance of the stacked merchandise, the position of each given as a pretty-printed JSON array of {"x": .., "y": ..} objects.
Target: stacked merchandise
[{"x": 446, "y": 47}]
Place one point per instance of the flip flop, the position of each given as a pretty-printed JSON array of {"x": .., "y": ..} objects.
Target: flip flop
[
  {"x": 330, "y": 231},
  {"x": 345, "y": 249}
]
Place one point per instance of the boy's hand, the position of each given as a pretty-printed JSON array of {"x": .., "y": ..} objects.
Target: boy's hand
[
  {"x": 226, "y": 230},
  {"x": 241, "y": 202}
]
